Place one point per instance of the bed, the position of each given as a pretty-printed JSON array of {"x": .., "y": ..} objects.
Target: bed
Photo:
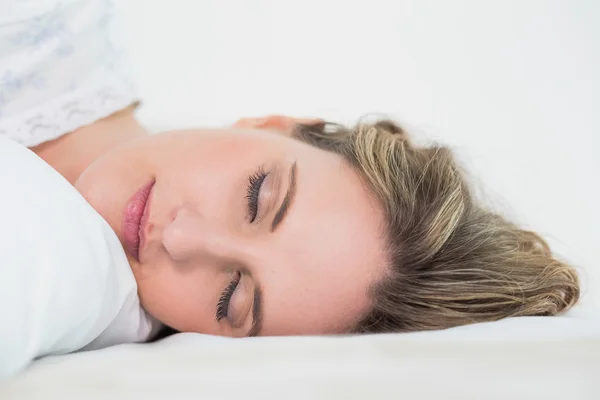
[
  {"x": 524, "y": 358},
  {"x": 512, "y": 86}
]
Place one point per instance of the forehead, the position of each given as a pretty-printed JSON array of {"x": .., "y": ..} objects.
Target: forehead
[{"x": 327, "y": 253}]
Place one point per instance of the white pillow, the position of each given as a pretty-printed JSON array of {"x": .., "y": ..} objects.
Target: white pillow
[{"x": 65, "y": 282}]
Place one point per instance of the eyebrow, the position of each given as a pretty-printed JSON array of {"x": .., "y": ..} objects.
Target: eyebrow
[
  {"x": 257, "y": 315},
  {"x": 287, "y": 200}
]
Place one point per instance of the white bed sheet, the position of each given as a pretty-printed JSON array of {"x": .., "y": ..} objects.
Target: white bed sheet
[
  {"x": 512, "y": 85},
  {"x": 524, "y": 358}
]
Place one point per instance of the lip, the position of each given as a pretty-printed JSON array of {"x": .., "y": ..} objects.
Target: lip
[{"x": 135, "y": 219}]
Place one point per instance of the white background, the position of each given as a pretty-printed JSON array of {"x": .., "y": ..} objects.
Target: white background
[{"x": 513, "y": 86}]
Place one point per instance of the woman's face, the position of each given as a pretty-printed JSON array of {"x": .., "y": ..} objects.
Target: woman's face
[{"x": 244, "y": 231}]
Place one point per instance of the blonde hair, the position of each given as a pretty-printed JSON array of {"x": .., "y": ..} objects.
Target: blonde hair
[{"x": 452, "y": 261}]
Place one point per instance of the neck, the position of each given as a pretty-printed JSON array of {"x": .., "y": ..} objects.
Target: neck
[{"x": 72, "y": 153}]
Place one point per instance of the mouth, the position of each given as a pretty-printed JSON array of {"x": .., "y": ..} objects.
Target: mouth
[{"x": 135, "y": 219}]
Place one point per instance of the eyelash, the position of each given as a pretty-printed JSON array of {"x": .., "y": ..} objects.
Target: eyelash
[
  {"x": 255, "y": 181},
  {"x": 223, "y": 303}
]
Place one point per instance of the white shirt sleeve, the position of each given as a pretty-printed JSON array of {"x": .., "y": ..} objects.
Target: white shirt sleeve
[{"x": 62, "y": 66}]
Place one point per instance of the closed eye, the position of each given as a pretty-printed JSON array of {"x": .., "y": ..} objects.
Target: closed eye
[
  {"x": 255, "y": 182},
  {"x": 223, "y": 304}
]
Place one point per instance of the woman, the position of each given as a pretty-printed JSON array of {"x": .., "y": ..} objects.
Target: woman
[{"x": 276, "y": 226}]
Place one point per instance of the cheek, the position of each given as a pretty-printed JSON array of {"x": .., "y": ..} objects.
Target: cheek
[
  {"x": 198, "y": 151},
  {"x": 108, "y": 183},
  {"x": 181, "y": 301},
  {"x": 211, "y": 176}
]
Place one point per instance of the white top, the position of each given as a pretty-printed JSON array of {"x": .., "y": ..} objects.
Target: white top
[{"x": 62, "y": 66}]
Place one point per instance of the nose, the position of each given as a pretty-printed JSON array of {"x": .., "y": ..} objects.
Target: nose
[{"x": 192, "y": 236}]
